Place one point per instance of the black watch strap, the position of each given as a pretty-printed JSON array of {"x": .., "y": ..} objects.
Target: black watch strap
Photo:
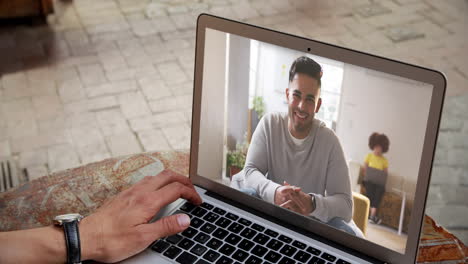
[{"x": 72, "y": 240}]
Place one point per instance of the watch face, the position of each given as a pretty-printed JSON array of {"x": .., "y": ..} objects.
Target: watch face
[{"x": 68, "y": 217}]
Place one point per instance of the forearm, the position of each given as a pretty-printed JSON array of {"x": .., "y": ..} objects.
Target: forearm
[
  {"x": 264, "y": 187},
  {"x": 256, "y": 166},
  {"x": 337, "y": 205},
  {"x": 38, "y": 245},
  {"x": 44, "y": 244}
]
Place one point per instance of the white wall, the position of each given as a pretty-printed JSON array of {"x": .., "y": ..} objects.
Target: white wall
[
  {"x": 238, "y": 90},
  {"x": 210, "y": 152},
  {"x": 376, "y": 102}
]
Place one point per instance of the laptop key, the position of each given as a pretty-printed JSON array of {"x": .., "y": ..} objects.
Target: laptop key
[
  {"x": 202, "y": 261},
  {"x": 196, "y": 222},
  {"x": 259, "y": 251},
  {"x": 232, "y": 216},
  {"x": 288, "y": 250},
  {"x": 233, "y": 239},
  {"x": 200, "y": 212},
  {"x": 253, "y": 260},
  {"x": 190, "y": 232},
  {"x": 207, "y": 205},
  {"x": 220, "y": 233},
  {"x": 211, "y": 217},
  {"x": 187, "y": 207},
  {"x": 258, "y": 227},
  {"x": 299, "y": 245},
  {"x": 285, "y": 239},
  {"x": 198, "y": 250},
  {"x": 261, "y": 239},
  {"x": 302, "y": 256},
  {"x": 272, "y": 256},
  {"x": 227, "y": 249},
  {"x": 223, "y": 222},
  {"x": 219, "y": 211},
  {"x": 248, "y": 233},
  {"x": 186, "y": 258},
  {"x": 181, "y": 212},
  {"x": 246, "y": 244},
  {"x": 202, "y": 238},
  {"x": 186, "y": 244},
  {"x": 172, "y": 252},
  {"x": 160, "y": 246},
  {"x": 235, "y": 228},
  {"x": 245, "y": 222},
  {"x": 340, "y": 261},
  {"x": 174, "y": 239},
  {"x": 271, "y": 233},
  {"x": 313, "y": 251},
  {"x": 240, "y": 255},
  {"x": 214, "y": 243},
  {"x": 224, "y": 260},
  {"x": 274, "y": 244},
  {"x": 211, "y": 255},
  {"x": 286, "y": 260},
  {"x": 316, "y": 260},
  {"x": 208, "y": 228},
  {"x": 328, "y": 257}
]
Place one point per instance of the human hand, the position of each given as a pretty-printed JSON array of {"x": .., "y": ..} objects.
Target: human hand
[
  {"x": 298, "y": 201},
  {"x": 120, "y": 228},
  {"x": 282, "y": 193}
]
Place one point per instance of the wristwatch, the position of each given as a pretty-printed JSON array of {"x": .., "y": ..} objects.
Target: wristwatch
[
  {"x": 69, "y": 222},
  {"x": 314, "y": 205}
]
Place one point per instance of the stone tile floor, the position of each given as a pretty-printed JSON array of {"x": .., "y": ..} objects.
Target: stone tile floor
[{"x": 114, "y": 77}]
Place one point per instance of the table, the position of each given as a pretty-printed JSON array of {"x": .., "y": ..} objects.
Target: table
[{"x": 85, "y": 188}]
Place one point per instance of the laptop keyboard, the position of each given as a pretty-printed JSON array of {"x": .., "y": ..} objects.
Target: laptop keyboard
[{"x": 221, "y": 237}]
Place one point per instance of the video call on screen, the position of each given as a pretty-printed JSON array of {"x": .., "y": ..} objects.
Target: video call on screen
[{"x": 244, "y": 89}]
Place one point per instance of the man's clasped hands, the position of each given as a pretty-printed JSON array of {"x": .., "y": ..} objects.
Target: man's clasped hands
[{"x": 293, "y": 198}]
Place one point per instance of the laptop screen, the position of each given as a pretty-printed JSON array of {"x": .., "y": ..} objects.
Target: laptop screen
[{"x": 335, "y": 142}]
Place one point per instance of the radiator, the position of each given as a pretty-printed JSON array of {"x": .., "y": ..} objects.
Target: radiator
[{"x": 8, "y": 175}]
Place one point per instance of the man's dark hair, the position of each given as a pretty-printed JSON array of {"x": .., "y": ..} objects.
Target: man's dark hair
[
  {"x": 306, "y": 66},
  {"x": 381, "y": 140}
]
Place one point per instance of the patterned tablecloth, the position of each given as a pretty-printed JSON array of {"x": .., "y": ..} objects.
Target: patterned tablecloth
[{"x": 84, "y": 189}]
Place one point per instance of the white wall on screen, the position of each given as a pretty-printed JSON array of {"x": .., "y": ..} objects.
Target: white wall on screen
[
  {"x": 376, "y": 102},
  {"x": 210, "y": 152}
]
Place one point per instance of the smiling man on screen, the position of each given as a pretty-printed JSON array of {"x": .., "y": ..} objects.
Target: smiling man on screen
[{"x": 294, "y": 160}]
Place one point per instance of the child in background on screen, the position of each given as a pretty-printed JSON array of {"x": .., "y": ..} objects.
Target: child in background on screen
[{"x": 379, "y": 144}]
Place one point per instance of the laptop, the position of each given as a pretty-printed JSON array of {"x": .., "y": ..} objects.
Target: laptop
[
  {"x": 241, "y": 75},
  {"x": 375, "y": 176}
]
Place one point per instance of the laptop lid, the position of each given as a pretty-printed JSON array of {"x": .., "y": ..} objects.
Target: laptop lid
[{"x": 241, "y": 71}]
